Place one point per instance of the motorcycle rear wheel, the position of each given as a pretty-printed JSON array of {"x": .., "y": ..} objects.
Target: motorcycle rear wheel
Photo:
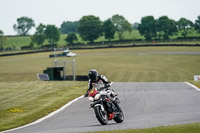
[{"x": 101, "y": 116}]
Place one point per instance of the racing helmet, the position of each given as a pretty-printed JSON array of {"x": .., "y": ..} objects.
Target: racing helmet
[{"x": 92, "y": 74}]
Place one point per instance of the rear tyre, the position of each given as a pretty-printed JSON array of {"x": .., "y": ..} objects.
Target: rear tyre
[
  {"x": 101, "y": 115},
  {"x": 119, "y": 117}
]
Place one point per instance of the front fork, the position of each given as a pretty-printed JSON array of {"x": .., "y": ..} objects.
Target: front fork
[
  {"x": 102, "y": 108},
  {"x": 98, "y": 103}
]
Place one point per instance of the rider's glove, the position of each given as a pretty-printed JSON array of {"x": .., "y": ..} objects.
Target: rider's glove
[
  {"x": 107, "y": 85},
  {"x": 86, "y": 95}
]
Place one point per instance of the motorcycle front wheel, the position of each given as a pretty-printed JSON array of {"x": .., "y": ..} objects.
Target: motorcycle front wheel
[
  {"x": 101, "y": 115},
  {"x": 120, "y": 117}
]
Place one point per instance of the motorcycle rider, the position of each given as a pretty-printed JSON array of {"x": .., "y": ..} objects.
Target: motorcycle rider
[{"x": 95, "y": 78}]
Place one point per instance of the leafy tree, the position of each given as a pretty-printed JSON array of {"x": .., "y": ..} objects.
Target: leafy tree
[
  {"x": 90, "y": 28},
  {"x": 184, "y": 26},
  {"x": 31, "y": 45},
  {"x": 39, "y": 36},
  {"x": 2, "y": 40},
  {"x": 147, "y": 27},
  {"x": 52, "y": 33},
  {"x": 166, "y": 27},
  {"x": 121, "y": 25},
  {"x": 108, "y": 29},
  {"x": 67, "y": 27},
  {"x": 71, "y": 37},
  {"x": 24, "y": 24},
  {"x": 135, "y": 26},
  {"x": 197, "y": 24}
]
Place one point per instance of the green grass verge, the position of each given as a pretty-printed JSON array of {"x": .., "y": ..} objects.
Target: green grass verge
[
  {"x": 197, "y": 83},
  {"x": 24, "y": 102},
  {"x": 24, "y": 99},
  {"x": 187, "y": 128}
]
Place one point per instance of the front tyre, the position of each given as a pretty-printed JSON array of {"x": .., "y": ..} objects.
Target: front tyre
[
  {"x": 119, "y": 117},
  {"x": 101, "y": 115}
]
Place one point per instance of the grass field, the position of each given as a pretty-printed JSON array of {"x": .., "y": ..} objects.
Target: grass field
[
  {"x": 24, "y": 99},
  {"x": 20, "y": 41},
  {"x": 141, "y": 64}
]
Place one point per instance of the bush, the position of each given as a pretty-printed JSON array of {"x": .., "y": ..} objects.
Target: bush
[{"x": 26, "y": 48}]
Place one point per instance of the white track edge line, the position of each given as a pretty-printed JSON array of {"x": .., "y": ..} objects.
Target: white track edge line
[
  {"x": 45, "y": 117},
  {"x": 195, "y": 87}
]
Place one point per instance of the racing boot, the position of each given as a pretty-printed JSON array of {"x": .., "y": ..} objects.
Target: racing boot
[{"x": 116, "y": 103}]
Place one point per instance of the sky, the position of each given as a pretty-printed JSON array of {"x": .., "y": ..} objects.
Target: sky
[{"x": 56, "y": 11}]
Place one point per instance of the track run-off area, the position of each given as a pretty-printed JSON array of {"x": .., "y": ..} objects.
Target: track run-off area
[{"x": 145, "y": 105}]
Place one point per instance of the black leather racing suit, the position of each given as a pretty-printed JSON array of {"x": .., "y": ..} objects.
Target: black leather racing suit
[
  {"x": 99, "y": 78},
  {"x": 106, "y": 85}
]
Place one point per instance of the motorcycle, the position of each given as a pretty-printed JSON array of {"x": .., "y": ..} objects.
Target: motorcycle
[{"x": 104, "y": 108}]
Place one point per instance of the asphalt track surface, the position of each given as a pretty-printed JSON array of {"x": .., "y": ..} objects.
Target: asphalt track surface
[{"x": 144, "y": 104}]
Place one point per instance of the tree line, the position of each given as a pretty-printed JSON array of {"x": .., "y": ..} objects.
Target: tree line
[
  {"x": 91, "y": 27},
  {"x": 164, "y": 27},
  {"x": 149, "y": 27}
]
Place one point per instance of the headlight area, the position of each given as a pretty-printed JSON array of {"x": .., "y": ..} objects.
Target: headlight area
[
  {"x": 91, "y": 99},
  {"x": 97, "y": 96}
]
